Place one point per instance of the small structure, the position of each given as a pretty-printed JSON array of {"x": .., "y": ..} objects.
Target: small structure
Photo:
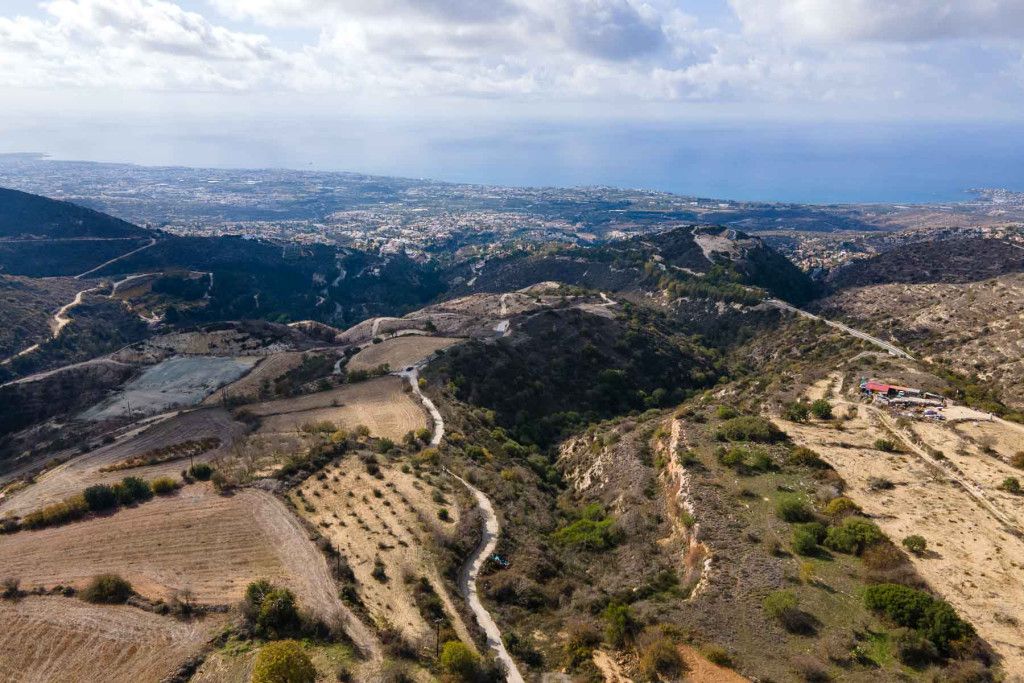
[{"x": 896, "y": 395}]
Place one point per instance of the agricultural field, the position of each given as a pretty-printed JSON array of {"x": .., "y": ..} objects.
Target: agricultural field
[
  {"x": 399, "y": 352},
  {"x": 248, "y": 388},
  {"x": 383, "y": 405},
  {"x": 174, "y": 383},
  {"x": 65, "y": 640},
  {"x": 974, "y": 559},
  {"x": 210, "y": 544},
  {"x": 387, "y": 524},
  {"x": 74, "y": 475}
]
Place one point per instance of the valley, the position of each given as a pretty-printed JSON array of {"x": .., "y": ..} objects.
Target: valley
[{"x": 634, "y": 457}]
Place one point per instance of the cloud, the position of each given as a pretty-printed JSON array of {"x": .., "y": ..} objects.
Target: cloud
[{"x": 883, "y": 20}]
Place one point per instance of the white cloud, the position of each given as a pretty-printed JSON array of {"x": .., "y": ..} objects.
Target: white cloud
[
  {"x": 855, "y": 53},
  {"x": 883, "y": 20}
]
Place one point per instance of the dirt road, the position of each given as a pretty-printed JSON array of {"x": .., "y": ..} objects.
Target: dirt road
[
  {"x": 468, "y": 576},
  {"x": 60, "y": 320},
  {"x": 881, "y": 343},
  {"x": 152, "y": 241}
]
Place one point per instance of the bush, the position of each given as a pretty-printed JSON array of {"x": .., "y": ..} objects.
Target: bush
[
  {"x": 1011, "y": 485},
  {"x": 283, "y": 661},
  {"x": 934, "y": 619},
  {"x": 11, "y": 588},
  {"x": 459, "y": 662},
  {"x": 63, "y": 512},
  {"x": 277, "y": 613},
  {"x": 132, "y": 490},
  {"x": 793, "y": 508},
  {"x": 913, "y": 649},
  {"x": 107, "y": 589},
  {"x": 775, "y": 603},
  {"x": 100, "y": 497},
  {"x": 805, "y": 457},
  {"x": 796, "y": 411},
  {"x": 1018, "y": 460},
  {"x": 201, "y": 471},
  {"x": 839, "y": 508},
  {"x": 660, "y": 660},
  {"x": 853, "y": 536},
  {"x": 619, "y": 624},
  {"x": 885, "y": 445},
  {"x": 915, "y": 544},
  {"x": 593, "y": 531},
  {"x": 806, "y": 538},
  {"x": 782, "y": 605},
  {"x": 724, "y": 412},
  {"x": 822, "y": 409},
  {"x": 746, "y": 460},
  {"x": 749, "y": 428},
  {"x": 163, "y": 486}
]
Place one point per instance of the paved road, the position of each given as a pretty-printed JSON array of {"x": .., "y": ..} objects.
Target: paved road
[{"x": 892, "y": 349}]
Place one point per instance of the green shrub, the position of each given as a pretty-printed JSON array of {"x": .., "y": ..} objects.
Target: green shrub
[
  {"x": 201, "y": 471},
  {"x": 853, "y": 536},
  {"x": 132, "y": 490},
  {"x": 915, "y": 544},
  {"x": 619, "y": 624},
  {"x": 776, "y": 602},
  {"x": 885, "y": 445},
  {"x": 934, "y": 619},
  {"x": 107, "y": 589},
  {"x": 724, "y": 412},
  {"x": 592, "y": 531},
  {"x": 100, "y": 497},
  {"x": 796, "y": 411},
  {"x": 746, "y": 459},
  {"x": 807, "y": 537},
  {"x": 459, "y": 662},
  {"x": 67, "y": 510},
  {"x": 805, "y": 457},
  {"x": 913, "y": 649},
  {"x": 749, "y": 428},
  {"x": 283, "y": 661},
  {"x": 1011, "y": 485},
  {"x": 791, "y": 508},
  {"x": 822, "y": 409},
  {"x": 839, "y": 508},
  {"x": 277, "y": 614},
  {"x": 163, "y": 486},
  {"x": 660, "y": 660},
  {"x": 783, "y": 606}
]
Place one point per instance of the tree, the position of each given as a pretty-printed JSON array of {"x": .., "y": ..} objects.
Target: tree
[
  {"x": 100, "y": 497},
  {"x": 107, "y": 589},
  {"x": 619, "y": 624},
  {"x": 283, "y": 661},
  {"x": 822, "y": 409},
  {"x": 796, "y": 411},
  {"x": 277, "y": 613},
  {"x": 915, "y": 544},
  {"x": 458, "y": 662}
]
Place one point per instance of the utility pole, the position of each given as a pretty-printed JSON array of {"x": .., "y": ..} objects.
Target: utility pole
[{"x": 128, "y": 401}]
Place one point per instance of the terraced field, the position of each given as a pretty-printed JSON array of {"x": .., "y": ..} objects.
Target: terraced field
[
  {"x": 381, "y": 404},
  {"x": 214, "y": 545},
  {"x": 392, "y": 519},
  {"x": 399, "y": 352},
  {"x": 74, "y": 475},
  {"x": 58, "y": 640},
  {"x": 248, "y": 387}
]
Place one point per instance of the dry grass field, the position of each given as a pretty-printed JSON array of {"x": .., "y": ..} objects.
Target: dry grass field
[
  {"x": 393, "y": 519},
  {"x": 248, "y": 387},
  {"x": 82, "y": 471},
  {"x": 382, "y": 404},
  {"x": 63, "y": 640},
  {"x": 973, "y": 560},
  {"x": 213, "y": 545},
  {"x": 398, "y": 352}
]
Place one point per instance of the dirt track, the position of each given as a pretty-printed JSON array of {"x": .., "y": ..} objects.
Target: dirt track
[
  {"x": 399, "y": 352},
  {"x": 57, "y": 639}
]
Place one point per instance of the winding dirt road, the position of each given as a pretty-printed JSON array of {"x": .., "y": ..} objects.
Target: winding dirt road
[
  {"x": 152, "y": 241},
  {"x": 471, "y": 570},
  {"x": 892, "y": 349}
]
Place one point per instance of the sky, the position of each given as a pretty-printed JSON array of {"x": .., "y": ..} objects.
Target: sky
[{"x": 226, "y": 82}]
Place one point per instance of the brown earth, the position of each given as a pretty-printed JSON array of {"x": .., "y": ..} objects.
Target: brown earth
[
  {"x": 248, "y": 387},
  {"x": 974, "y": 560},
  {"x": 73, "y": 476},
  {"x": 398, "y": 352},
  {"x": 381, "y": 404},
  {"x": 58, "y": 639},
  {"x": 213, "y": 545},
  {"x": 395, "y": 519}
]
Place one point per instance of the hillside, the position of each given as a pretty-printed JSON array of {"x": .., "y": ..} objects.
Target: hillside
[{"x": 30, "y": 216}]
